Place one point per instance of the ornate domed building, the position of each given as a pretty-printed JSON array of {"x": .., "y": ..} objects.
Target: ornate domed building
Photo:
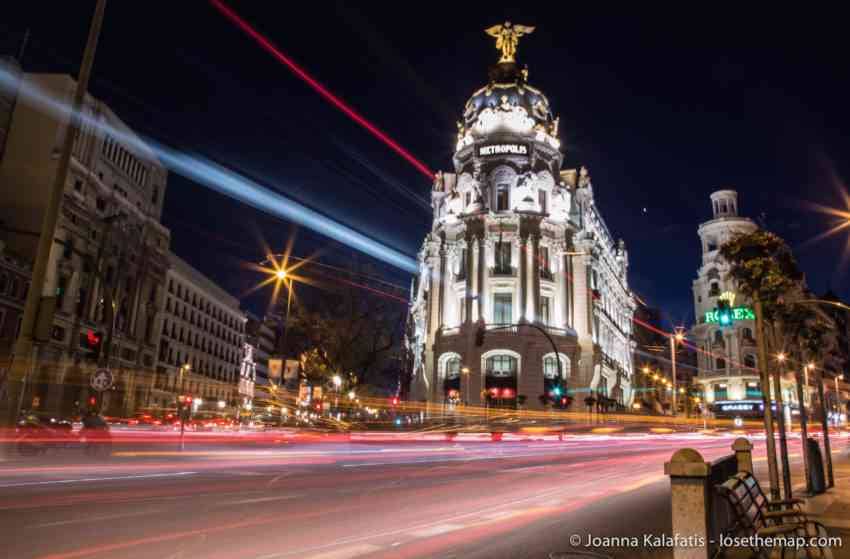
[{"x": 518, "y": 259}]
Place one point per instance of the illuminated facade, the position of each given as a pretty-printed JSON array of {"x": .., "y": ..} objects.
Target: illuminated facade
[
  {"x": 725, "y": 328},
  {"x": 517, "y": 240}
]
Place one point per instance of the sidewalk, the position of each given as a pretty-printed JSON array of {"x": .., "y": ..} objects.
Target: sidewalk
[{"x": 833, "y": 507}]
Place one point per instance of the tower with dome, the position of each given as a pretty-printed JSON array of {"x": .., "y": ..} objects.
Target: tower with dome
[{"x": 516, "y": 241}]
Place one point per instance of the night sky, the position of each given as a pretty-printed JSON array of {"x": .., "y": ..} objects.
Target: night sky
[{"x": 662, "y": 107}]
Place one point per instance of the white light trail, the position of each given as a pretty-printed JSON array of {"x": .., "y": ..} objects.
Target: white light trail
[{"x": 216, "y": 177}]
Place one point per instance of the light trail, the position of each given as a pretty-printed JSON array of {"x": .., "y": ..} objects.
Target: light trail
[
  {"x": 216, "y": 177},
  {"x": 270, "y": 47}
]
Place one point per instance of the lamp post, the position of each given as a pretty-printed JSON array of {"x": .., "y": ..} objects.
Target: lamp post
[
  {"x": 838, "y": 403},
  {"x": 778, "y": 373},
  {"x": 181, "y": 400},
  {"x": 465, "y": 371},
  {"x": 679, "y": 336}
]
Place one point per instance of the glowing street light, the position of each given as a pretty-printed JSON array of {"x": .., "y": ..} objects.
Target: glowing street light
[
  {"x": 780, "y": 357},
  {"x": 677, "y": 338},
  {"x": 281, "y": 274},
  {"x": 337, "y": 380}
]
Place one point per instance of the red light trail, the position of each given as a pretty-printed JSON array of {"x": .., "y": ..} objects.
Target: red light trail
[{"x": 320, "y": 89}]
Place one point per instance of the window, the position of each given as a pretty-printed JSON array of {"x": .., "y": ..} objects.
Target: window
[
  {"x": 714, "y": 289},
  {"x": 101, "y": 204},
  {"x": 58, "y": 333},
  {"x": 501, "y": 366},
  {"x": 720, "y": 392},
  {"x": 453, "y": 367},
  {"x": 710, "y": 244},
  {"x": 603, "y": 386},
  {"x": 78, "y": 185},
  {"x": 545, "y": 304},
  {"x": 718, "y": 337},
  {"x": 720, "y": 364},
  {"x": 461, "y": 268},
  {"x": 502, "y": 198},
  {"x": 542, "y": 199},
  {"x": 750, "y": 361},
  {"x": 461, "y": 305},
  {"x": 543, "y": 257},
  {"x": 467, "y": 199},
  {"x": 550, "y": 367},
  {"x": 747, "y": 334},
  {"x": 753, "y": 390},
  {"x": 502, "y": 312},
  {"x": 61, "y": 288},
  {"x": 503, "y": 257}
]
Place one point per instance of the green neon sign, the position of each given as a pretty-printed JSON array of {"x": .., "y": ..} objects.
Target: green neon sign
[{"x": 726, "y": 316}]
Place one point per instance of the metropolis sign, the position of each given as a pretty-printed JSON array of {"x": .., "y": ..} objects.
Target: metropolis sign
[{"x": 503, "y": 149}]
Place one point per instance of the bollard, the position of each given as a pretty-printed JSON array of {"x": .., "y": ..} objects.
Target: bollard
[
  {"x": 688, "y": 473},
  {"x": 744, "y": 454}
]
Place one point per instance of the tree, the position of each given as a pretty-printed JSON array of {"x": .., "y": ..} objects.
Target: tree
[
  {"x": 352, "y": 329},
  {"x": 764, "y": 269}
]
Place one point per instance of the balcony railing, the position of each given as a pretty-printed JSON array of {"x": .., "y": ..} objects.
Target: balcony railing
[{"x": 506, "y": 271}]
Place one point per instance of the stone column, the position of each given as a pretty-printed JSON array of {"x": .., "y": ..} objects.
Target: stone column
[
  {"x": 523, "y": 278},
  {"x": 744, "y": 454},
  {"x": 472, "y": 295},
  {"x": 482, "y": 276},
  {"x": 689, "y": 494},
  {"x": 566, "y": 279},
  {"x": 442, "y": 289},
  {"x": 535, "y": 278},
  {"x": 467, "y": 300}
]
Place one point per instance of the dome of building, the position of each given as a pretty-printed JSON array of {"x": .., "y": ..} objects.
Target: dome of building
[{"x": 508, "y": 104}]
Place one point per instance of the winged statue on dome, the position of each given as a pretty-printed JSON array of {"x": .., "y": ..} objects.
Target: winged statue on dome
[{"x": 507, "y": 38}]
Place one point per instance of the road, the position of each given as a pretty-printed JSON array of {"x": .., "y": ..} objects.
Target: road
[{"x": 342, "y": 500}]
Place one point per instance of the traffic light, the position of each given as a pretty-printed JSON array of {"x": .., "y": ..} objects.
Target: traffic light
[
  {"x": 724, "y": 314},
  {"x": 556, "y": 391},
  {"x": 394, "y": 400},
  {"x": 479, "y": 334},
  {"x": 92, "y": 341},
  {"x": 92, "y": 401}
]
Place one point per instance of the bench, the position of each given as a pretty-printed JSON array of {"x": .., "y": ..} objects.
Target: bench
[{"x": 762, "y": 521}]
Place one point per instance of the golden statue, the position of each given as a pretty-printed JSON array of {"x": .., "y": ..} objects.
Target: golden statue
[{"x": 507, "y": 37}]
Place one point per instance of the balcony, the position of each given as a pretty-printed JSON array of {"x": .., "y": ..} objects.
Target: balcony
[{"x": 503, "y": 271}]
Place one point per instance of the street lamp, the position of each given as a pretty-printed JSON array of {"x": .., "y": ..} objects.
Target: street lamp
[
  {"x": 838, "y": 399},
  {"x": 676, "y": 338},
  {"x": 465, "y": 372}
]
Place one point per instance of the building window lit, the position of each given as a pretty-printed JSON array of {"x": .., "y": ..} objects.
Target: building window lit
[
  {"x": 453, "y": 367},
  {"x": 501, "y": 366},
  {"x": 720, "y": 392},
  {"x": 720, "y": 364},
  {"x": 753, "y": 390},
  {"x": 502, "y": 311},
  {"x": 503, "y": 257},
  {"x": 545, "y": 304},
  {"x": 502, "y": 197}
]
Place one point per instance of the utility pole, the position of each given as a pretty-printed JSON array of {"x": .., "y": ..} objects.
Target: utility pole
[{"x": 23, "y": 351}]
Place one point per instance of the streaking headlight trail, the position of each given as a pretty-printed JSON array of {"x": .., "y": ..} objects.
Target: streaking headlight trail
[{"x": 216, "y": 177}]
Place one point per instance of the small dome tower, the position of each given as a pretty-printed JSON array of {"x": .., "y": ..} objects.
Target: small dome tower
[{"x": 725, "y": 203}]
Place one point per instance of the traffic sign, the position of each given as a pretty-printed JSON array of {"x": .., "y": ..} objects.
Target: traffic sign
[{"x": 102, "y": 380}]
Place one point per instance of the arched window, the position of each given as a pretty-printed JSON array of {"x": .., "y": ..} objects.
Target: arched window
[
  {"x": 714, "y": 289},
  {"x": 713, "y": 274},
  {"x": 750, "y": 361},
  {"x": 550, "y": 366},
  {"x": 720, "y": 364},
  {"x": 747, "y": 333},
  {"x": 501, "y": 366},
  {"x": 718, "y": 337},
  {"x": 453, "y": 367}
]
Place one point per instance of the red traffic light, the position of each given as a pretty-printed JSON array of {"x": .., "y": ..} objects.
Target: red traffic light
[
  {"x": 563, "y": 401},
  {"x": 92, "y": 400},
  {"x": 318, "y": 407},
  {"x": 394, "y": 400}
]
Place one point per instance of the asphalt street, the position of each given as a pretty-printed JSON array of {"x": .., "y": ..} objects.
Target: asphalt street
[{"x": 343, "y": 500}]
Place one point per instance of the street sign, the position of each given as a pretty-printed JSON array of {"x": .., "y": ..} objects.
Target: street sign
[{"x": 102, "y": 380}]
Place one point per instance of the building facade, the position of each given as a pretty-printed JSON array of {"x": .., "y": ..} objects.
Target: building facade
[
  {"x": 725, "y": 323},
  {"x": 107, "y": 264},
  {"x": 202, "y": 344},
  {"x": 518, "y": 241}
]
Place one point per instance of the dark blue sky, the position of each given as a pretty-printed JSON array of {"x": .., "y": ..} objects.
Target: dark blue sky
[{"x": 663, "y": 107}]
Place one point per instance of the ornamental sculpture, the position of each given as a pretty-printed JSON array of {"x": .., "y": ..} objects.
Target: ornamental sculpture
[{"x": 507, "y": 37}]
